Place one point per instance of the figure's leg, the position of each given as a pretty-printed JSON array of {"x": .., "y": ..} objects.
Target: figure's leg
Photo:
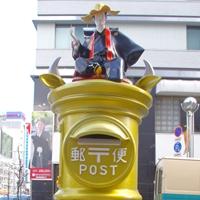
[
  {"x": 81, "y": 65},
  {"x": 115, "y": 69}
]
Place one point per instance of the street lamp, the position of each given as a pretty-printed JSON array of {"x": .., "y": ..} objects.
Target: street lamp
[{"x": 190, "y": 106}]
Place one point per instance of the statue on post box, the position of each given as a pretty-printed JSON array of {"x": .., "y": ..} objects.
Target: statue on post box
[{"x": 106, "y": 53}]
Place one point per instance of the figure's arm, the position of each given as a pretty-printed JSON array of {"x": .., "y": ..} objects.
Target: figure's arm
[
  {"x": 78, "y": 50},
  {"x": 81, "y": 51},
  {"x": 75, "y": 45}
]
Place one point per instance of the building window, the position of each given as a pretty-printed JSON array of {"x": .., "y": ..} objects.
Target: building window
[
  {"x": 6, "y": 145},
  {"x": 167, "y": 114},
  {"x": 63, "y": 37},
  {"x": 193, "y": 37}
]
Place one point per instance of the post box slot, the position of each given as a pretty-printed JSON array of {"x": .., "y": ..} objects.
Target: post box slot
[{"x": 98, "y": 139}]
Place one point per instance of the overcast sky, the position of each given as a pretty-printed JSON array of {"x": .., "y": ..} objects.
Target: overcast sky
[{"x": 17, "y": 49}]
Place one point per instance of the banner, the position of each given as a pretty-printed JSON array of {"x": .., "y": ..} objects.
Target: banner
[{"x": 41, "y": 145}]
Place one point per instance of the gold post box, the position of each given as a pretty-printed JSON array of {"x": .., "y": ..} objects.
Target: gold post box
[{"x": 98, "y": 122}]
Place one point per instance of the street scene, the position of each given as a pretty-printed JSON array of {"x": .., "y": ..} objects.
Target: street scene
[{"x": 112, "y": 111}]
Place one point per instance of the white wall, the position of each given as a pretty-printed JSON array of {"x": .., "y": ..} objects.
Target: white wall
[
  {"x": 56, "y": 147},
  {"x": 46, "y": 36},
  {"x": 159, "y": 36},
  {"x": 156, "y": 36},
  {"x": 136, "y": 7},
  {"x": 165, "y": 145}
]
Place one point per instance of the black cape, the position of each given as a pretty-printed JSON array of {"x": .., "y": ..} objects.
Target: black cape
[{"x": 127, "y": 49}]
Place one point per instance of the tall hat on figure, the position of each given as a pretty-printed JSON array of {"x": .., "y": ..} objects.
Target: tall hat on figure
[{"x": 99, "y": 8}]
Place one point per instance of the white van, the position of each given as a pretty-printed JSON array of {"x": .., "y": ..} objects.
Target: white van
[{"x": 177, "y": 179}]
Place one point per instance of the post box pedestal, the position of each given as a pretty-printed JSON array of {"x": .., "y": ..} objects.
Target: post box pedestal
[{"x": 99, "y": 122}]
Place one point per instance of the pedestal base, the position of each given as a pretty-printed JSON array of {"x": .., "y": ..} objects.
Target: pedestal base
[{"x": 84, "y": 194}]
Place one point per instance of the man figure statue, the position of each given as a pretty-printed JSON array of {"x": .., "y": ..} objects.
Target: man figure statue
[{"x": 105, "y": 53}]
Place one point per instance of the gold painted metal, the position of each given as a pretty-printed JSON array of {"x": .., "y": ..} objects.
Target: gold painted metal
[
  {"x": 148, "y": 82},
  {"x": 99, "y": 122},
  {"x": 52, "y": 80}
]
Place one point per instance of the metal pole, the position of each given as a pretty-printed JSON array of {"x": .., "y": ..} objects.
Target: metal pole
[
  {"x": 190, "y": 130},
  {"x": 190, "y": 106}
]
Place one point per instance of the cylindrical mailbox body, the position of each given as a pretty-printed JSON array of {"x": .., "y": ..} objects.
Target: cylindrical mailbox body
[{"x": 99, "y": 139}]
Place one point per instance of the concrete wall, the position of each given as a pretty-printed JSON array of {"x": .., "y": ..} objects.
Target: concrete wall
[{"x": 158, "y": 8}]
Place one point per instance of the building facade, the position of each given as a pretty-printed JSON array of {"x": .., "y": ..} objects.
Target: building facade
[
  {"x": 13, "y": 150},
  {"x": 168, "y": 30}
]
